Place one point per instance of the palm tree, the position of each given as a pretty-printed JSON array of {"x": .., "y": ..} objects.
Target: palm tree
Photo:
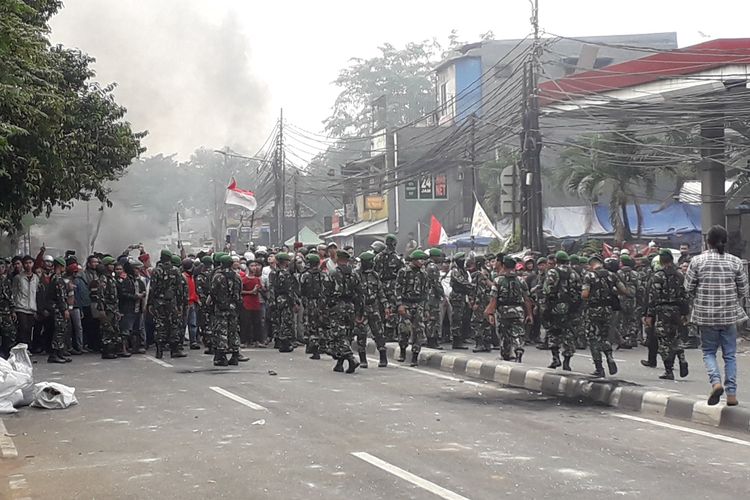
[{"x": 614, "y": 164}]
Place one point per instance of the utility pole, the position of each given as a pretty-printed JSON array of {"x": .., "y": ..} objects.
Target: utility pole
[
  {"x": 296, "y": 209},
  {"x": 473, "y": 162},
  {"x": 279, "y": 177}
]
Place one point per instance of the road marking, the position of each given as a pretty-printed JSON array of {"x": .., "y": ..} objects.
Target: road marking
[
  {"x": 7, "y": 447},
  {"x": 589, "y": 357},
  {"x": 408, "y": 476},
  {"x": 157, "y": 361},
  {"x": 718, "y": 437},
  {"x": 448, "y": 377},
  {"x": 238, "y": 399}
]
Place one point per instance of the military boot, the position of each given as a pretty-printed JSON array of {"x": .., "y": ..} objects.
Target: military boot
[
  {"x": 108, "y": 352},
  {"x": 315, "y": 350},
  {"x": 209, "y": 350},
  {"x": 241, "y": 357},
  {"x": 285, "y": 346},
  {"x": 383, "y": 359},
  {"x": 176, "y": 352},
  {"x": 353, "y": 363},
  {"x": 414, "y": 358},
  {"x": 555, "y": 358},
  {"x": 234, "y": 359},
  {"x": 220, "y": 359},
  {"x": 159, "y": 351},
  {"x": 519, "y": 355},
  {"x": 458, "y": 344},
  {"x": 611, "y": 365},
  {"x": 363, "y": 359},
  {"x": 683, "y": 365},
  {"x": 401, "y": 354},
  {"x": 339, "y": 365},
  {"x": 566, "y": 363},
  {"x": 668, "y": 369},
  {"x": 308, "y": 347},
  {"x": 55, "y": 357},
  {"x": 598, "y": 370}
]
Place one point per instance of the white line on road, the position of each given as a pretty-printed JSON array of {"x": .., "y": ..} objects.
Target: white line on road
[
  {"x": 7, "y": 447},
  {"x": 408, "y": 476},
  {"x": 237, "y": 398},
  {"x": 718, "y": 437},
  {"x": 157, "y": 361},
  {"x": 447, "y": 377},
  {"x": 589, "y": 357}
]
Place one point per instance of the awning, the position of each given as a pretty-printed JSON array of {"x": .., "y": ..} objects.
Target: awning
[
  {"x": 306, "y": 235},
  {"x": 365, "y": 228},
  {"x": 572, "y": 222},
  {"x": 691, "y": 191},
  {"x": 677, "y": 218}
]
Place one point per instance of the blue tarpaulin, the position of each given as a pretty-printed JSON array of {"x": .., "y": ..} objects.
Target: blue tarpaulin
[{"x": 677, "y": 218}]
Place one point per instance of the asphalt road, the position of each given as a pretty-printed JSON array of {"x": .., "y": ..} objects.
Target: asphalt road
[{"x": 148, "y": 430}]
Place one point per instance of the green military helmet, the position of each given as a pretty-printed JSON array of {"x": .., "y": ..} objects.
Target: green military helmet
[
  {"x": 377, "y": 246},
  {"x": 509, "y": 262},
  {"x": 390, "y": 238},
  {"x": 459, "y": 256},
  {"x": 225, "y": 259},
  {"x": 435, "y": 252},
  {"x": 283, "y": 257},
  {"x": 418, "y": 255},
  {"x": 207, "y": 260},
  {"x": 541, "y": 260},
  {"x": 665, "y": 255},
  {"x": 176, "y": 261},
  {"x": 366, "y": 256},
  {"x": 342, "y": 254},
  {"x": 627, "y": 261},
  {"x": 58, "y": 261},
  {"x": 562, "y": 256},
  {"x": 313, "y": 258},
  {"x": 574, "y": 259},
  {"x": 166, "y": 254},
  {"x": 107, "y": 260}
]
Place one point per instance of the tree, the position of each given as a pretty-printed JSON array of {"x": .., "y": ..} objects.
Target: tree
[
  {"x": 404, "y": 76},
  {"x": 614, "y": 164},
  {"x": 491, "y": 181},
  {"x": 62, "y": 136}
]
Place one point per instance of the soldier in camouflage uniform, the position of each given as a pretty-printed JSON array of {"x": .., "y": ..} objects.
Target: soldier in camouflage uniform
[
  {"x": 599, "y": 292},
  {"x": 577, "y": 263},
  {"x": 163, "y": 295},
  {"x": 57, "y": 297},
  {"x": 460, "y": 291},
  {"x": 508, "y": 308},
  {"x": 7, "y": 316},
  {"x": 343, "y": 299},
  {"x": 108, "y": 309},
  {"x": 226, "y": 289},
  {"x": 412, "y": 288},
  {"x": 387, "y": 264},
  {"x": 373, "y": 301},
  {"x": 630, "y": 321},
  {"x": 284, "y": 296},
  {"x": 562, "y": 294},
  {"x": 203, "y": 289},
  {"x": 482, "y": 285},
  {"x": 182, "y": 300},
  {"x": 311, "y": 293},
  {"x": 667, "y": 310},
  {"x": 435, "y": 298}
]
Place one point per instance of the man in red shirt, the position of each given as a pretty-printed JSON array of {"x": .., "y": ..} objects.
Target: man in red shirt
[
  {"x": 191, "y": 313},
  {"x": 250, "y": 315}
]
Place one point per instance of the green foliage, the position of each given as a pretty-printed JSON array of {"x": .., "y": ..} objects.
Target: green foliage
[
  {"x": 490, "y": 179},
  {"x": 62, "y": 137}
]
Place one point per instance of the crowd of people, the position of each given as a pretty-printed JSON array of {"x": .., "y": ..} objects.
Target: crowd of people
[{"x": 326, "y": 298}]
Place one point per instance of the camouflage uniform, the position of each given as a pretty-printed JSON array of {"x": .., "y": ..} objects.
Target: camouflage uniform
[
  {"x": 629, "y": 321},
  {"x": 387, "y": 264},
  {"x": 203, "y": 289},
  {"x": 57, "y": 297},
  {"x": 7, "y": 325},
  {"x": 107, "y": 304},
  {"x": 435, "y": 299},
  {"x": 182, "y": 304},
  {"x": 374, "y": 300},
  {"x": 283, "y": 295},
  {"x": 163, "y": 294},
  {"x": 480, "y": 298},
  {"x": 460, "y": 290},
  {"x": 511, "y": 294},
  {"x": 667, "y": 304},
  {"x": 562, "y": 294},
  {"x": 412, "y": 288},
  {"x": 225, "y": 294},
  {"x": 343, "y": 301},
  {"x": 311, "y": 291},
  {"x": 600, "y": 284}
]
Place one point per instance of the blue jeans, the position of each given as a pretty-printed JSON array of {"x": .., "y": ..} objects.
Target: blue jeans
[
  {"x": 191, "y": 319},
  {"x": 724, "y": 336}
]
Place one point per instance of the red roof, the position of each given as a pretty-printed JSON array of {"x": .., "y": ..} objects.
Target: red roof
[{"x": 684, "y": 61}]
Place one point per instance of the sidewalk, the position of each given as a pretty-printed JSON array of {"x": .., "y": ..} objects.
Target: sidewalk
[{"x": 634, "y": 388}]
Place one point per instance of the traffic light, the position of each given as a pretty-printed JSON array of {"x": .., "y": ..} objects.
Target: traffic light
[{"x": 510, "y": 196}]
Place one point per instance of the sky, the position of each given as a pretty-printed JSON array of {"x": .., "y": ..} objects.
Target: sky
[{"x": 216, "y": 73}]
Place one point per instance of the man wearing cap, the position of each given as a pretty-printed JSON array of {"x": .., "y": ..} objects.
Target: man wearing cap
[
  {"x": 373, "y": 301},
  {"x": 509, "y": 307},
  {"x": 435, "y": 298},
  {"x": 57, "y": 296},
  {"x": 7, "y": 316},
  {"x": 668, "y": 309},
  {"x": 311, "y": 285},
  {"x": 562, "y": 295},
  {"x": 387, "y": 264},
  {"x": 599, "y": 292},
  {"x": 284, "y": 297},
  {"x": 226, "y": 289},
  {"x": 25, "y": 286},
  {"x": 412, "y": 288},
  {"x": 343, "y": 301},
  {"x": 203, "y": 289},
  {"x": 107, "y": 304},
  {"x": 460, "y": 290},
  {"x": 629, "y": 323},
  {"x": 164, "y": 306},
  {"x": 480, "y": 298}
]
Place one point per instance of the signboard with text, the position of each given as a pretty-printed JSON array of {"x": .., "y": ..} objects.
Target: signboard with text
[{"x": 427, "y": 187}]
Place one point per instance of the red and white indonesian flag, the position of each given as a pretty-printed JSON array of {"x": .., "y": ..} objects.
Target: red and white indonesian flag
[
  {"x": 437, "y": 235},
  {"x": 240, "y": 197}
]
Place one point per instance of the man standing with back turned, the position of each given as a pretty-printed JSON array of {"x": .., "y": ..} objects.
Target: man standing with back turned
[{"x": 718, "y": 282}]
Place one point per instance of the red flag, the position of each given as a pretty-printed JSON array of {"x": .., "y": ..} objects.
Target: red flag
[
  {"x": 437, "y": 235},
  {"x": 240, "y": 197}
]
